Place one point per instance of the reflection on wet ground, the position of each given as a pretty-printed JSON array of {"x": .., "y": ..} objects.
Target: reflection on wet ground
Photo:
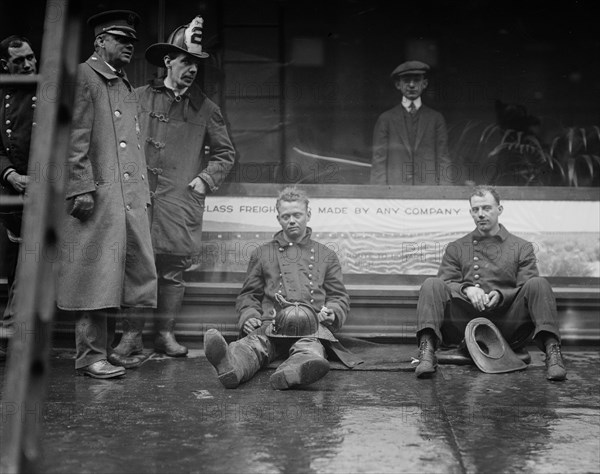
[{"x": 173, "y": 416}]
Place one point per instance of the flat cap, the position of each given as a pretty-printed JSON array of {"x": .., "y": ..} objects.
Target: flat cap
[
  {"x": 115, "y": 22},
  {"x": 410, "y": 67}
]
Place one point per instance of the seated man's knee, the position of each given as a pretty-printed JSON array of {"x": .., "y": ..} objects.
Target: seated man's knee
[
  {"x": 432, "y": 284},
  {"x": 537, "y": 284}
]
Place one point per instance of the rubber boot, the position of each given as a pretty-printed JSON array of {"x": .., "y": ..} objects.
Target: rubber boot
[
  {"x": 170, "y": 299},
  {"x": 235, "y": 363},
  {"x": 129, "y": 353}
]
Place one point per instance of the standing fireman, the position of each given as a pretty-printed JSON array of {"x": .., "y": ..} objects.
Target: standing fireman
[
  {"x": 107, "y": 261},
  {"x": 179, "y": 124}
]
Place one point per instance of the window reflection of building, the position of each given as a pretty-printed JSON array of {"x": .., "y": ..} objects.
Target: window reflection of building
[
  {"x": 317, "y": 110},
  {"x": 302, "y": 83}
]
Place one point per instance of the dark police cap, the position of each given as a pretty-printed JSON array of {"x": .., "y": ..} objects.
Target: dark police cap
[
  {"x": 411, "y": 67},
  {"x": 115, "y": 22}
]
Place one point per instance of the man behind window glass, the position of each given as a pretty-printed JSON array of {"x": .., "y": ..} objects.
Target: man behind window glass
[{"x": 410, "y": 141}]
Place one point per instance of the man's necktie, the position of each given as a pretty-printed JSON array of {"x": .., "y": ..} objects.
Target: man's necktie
[{"x": 412, "y": 110}]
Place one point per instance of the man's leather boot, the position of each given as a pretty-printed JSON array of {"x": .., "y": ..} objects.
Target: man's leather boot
[
  {"x": 299, "y": 369},
  {"x": 427, "y": 358},
  {"x": 170, "y": 299},
  {"x": 129, "y": 351},
  {"x": 555, "y": 366}
]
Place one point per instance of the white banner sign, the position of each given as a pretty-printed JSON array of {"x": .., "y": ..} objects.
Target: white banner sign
[{"x": 404, "y": 235}]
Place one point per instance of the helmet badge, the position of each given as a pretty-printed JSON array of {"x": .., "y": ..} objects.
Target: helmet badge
[{"x": 193, "y": 35}]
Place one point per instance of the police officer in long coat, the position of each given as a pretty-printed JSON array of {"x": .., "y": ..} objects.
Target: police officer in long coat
[
  {"x": 107, "y": 261},
  {"x": 178, "y": 124}
]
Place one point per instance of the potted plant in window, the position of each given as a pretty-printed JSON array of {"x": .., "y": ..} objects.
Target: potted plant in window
[{"x": 576, "y": 153}]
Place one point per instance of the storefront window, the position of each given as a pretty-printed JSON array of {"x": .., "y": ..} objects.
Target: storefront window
[{"x": 302, "y": 86}]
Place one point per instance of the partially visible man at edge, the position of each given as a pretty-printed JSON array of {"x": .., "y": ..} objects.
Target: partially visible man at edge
[{"x": 17, "y": 107}]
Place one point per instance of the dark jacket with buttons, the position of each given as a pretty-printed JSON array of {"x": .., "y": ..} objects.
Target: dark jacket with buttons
[
  {"x": 503, "y": 262},
  {"x": 176, "y": 135},
  {"x": 307, "y": 271},
  {"x": 107, "y": 260},
  {"x": 17, "y": 106}
]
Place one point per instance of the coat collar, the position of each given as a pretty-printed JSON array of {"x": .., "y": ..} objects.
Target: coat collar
[
  {"x": 12, "y": 89},
  {"x": 406, "y": 103},
  {"x": 502, "y": 234},
  {"x": 280, "y": 239},
  {"x": 194, "y": 93},
  {"x": 99, "y": 65}
]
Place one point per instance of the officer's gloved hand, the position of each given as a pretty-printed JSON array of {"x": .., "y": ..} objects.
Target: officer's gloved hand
[{"x": 83, "y": 206}]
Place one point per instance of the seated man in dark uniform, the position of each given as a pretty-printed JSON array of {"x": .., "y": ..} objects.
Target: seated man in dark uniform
[
  {"x": 491, "y": 273},
  {"x": 292, "y": 268}
]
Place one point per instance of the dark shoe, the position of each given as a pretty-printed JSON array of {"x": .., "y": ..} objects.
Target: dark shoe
[
  {"x": 217, "y": 353},
  {"x": 131, "y": 341},
  {"x": 128, "y": 362},
  {"x": 101, "y": 370},
  {"x": 303, "y": 373},
  {"x": 427, "y": 359},
  {"x": 555, "y": 366}
]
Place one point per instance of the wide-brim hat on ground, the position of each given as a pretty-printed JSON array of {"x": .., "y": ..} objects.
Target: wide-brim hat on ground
[
  {"x": 115, "y": 22},
  {"x": 297, "y": 320},
  {"x": 185, "y": 39},
  {"x": 410, "y": 67},
  {"x": 489, "y": 350}
]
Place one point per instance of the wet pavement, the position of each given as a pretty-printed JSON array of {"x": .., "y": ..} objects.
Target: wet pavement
[{"x": 172, "y": 415}]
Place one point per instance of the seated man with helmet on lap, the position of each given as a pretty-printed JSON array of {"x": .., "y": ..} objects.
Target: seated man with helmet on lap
[{"x": 291, "y": 303}]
